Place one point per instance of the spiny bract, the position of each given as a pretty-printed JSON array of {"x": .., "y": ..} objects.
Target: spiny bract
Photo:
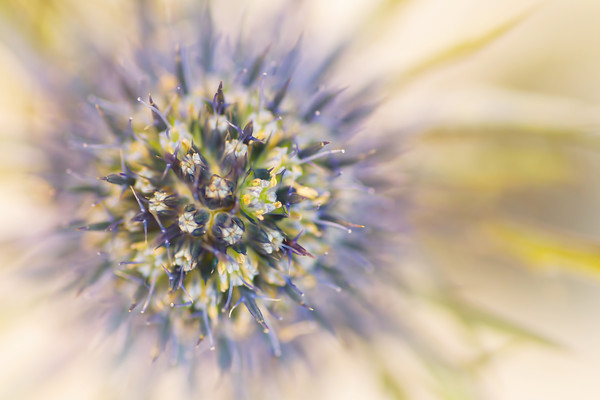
[{"x": 227, "y": 195}]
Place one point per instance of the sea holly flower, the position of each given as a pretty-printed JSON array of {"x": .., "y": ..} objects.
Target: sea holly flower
[
  {"x": 225, "y": 214},
  {"x": 276, "y": 236},
  {"x": 226, "y": 193}
]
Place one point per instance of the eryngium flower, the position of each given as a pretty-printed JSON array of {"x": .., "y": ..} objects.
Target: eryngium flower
[{"x": 226, "y": 195}]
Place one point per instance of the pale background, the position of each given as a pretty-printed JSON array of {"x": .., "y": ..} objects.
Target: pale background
[{"x": 500, "y": 161}]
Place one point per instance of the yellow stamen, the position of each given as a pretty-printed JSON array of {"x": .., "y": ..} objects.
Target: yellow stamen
[{"x": 306, "y": 191}]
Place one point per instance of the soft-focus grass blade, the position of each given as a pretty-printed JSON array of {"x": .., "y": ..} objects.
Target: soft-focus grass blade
[
  {"x": 544, "y": 248},
  {"x": 462, "y": 49},
  {"x": 506, "y": 157},
  {"x": 449, "y": 383},
  {"x": 475, "y": 317},
  {"x": 391, "y": 385}
]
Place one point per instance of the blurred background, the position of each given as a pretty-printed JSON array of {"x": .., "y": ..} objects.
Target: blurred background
[{"x": 495, "y": 106}]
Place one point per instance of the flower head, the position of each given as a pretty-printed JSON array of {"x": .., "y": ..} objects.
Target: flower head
[
  {"x": 213, "y": 214},
  {"x": 226, "y": 195}
]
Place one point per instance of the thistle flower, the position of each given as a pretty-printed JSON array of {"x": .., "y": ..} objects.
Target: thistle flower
[
  {"x": 191, "y": 211},
  {"x": 225, "y": 194}
]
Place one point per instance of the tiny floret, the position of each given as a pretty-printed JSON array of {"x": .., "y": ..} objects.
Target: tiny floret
[
  {"x": 217, "y": 189},
  {"x": 190, "y": 163},
  {"x": 159, "y": 202},
  {"x": 187, "y": 222}
]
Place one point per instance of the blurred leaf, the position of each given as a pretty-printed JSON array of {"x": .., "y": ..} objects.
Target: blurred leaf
[
  {"x": 490, "y": 168},
  {"x": 470, "y": 315},
  {"x": 463, "y": 49},
  {"x": 392, "y": 386},
  {"x": 450, "y": 383},
  {"x": 546, "y": 248},
  {"x": 517, "y": 133}
]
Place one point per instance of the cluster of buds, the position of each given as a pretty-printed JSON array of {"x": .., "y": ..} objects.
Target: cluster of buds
[{"x": 222, "y": 200}]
